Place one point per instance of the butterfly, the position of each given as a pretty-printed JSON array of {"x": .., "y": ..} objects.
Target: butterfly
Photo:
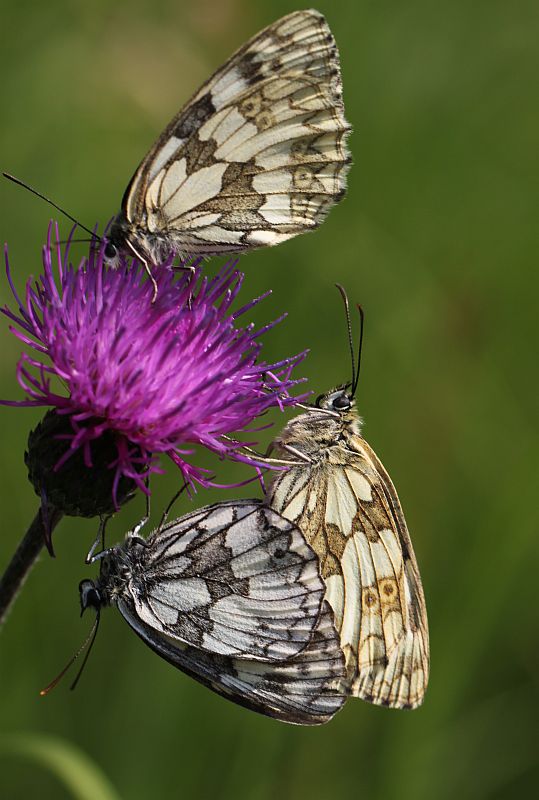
[
  {"x": 231, "y": 595},
  {"x": 344, "y": 502},
  {"x": 257, "y": 156}
]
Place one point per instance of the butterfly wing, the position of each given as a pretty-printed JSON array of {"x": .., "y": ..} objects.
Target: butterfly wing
[
  {"x": 233, "y": 578},
  {"x": 258, "y": 154},
  {"x": 305, "y": 690},
  {"x": 349, "y": 511}
]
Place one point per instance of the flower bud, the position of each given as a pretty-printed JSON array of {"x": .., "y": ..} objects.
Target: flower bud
[{"x": 78, "y": 481}]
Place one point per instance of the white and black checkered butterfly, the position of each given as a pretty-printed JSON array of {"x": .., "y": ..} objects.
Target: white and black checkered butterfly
[
  {"x": 231, "y": 594},
  {"x": 257, "y": 156}
]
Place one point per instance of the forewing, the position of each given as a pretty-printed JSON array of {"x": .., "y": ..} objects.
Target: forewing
[
  {"x": 234, "y": 578},
  {"x": 306, "y": 690},
  {"x": 349, "y": 511},
  {"x": 258, "y": 155}
]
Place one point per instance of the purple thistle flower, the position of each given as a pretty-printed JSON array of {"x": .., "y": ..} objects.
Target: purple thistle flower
[{"x": 157, "y": 375}]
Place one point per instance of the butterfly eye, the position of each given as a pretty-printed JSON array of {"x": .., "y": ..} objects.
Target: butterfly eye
[
  {"x": 111, "y": 251},
  {"x": 89, "y": 596},
  {"x": 342, "y": 402}
]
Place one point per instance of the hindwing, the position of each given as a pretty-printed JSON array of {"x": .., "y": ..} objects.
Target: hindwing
[{"x": 305, "y": 690}]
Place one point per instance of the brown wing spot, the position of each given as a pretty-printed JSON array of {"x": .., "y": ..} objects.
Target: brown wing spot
[
  {"x": 251, "y": 106},
  {"x": 336, "y": 540},
  {"x": 329, "y": 546},
  {"x": 369, "y": 599},
  {"x": 317, "y": 542},
  {"x": 362, "y": 522},
  {"x": 306, "y": 149},
  {"x": 390, "y": 598},
  {"x": 245, "y": 220},
  {"x": 303, "y": 178},
  {"x": 371, "y": 534},
  {"x": 238, "y": 177},
  {"x": 264, "y": 120},
  {"x": 198, "y": 153},
  {"x": 300, "y": 149},
  {"x": 350, "y": 659},
  {"x": 237, "y": 193},
  {"x": 378, "y": 516},
  {"x": 329, "y": 566}
]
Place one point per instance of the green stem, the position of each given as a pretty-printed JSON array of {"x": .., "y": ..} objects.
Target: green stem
[{"x": 24, "y": 559}]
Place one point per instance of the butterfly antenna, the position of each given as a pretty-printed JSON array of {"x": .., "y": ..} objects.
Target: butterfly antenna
[
  {"x": 88, "y": 643},
  {"x": 91, "y": 639},
  {"x": 361, "y": 328},
  {"x": 50, "y": 202},
  {"x": 350, "y": 339}
]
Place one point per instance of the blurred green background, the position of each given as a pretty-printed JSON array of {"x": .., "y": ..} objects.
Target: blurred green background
[{"x": 436, "y": 240}]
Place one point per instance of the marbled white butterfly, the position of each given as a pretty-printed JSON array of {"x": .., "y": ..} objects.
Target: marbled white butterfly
[
  {"x": 342, "y": 499},
  {"x": 257, "y": 156},
  {"x": 231, "y": 595}
]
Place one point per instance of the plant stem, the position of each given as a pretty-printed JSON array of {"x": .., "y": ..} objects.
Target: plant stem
[{"x": 24, "y": 559}]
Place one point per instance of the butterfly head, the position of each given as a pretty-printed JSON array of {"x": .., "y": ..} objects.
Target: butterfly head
[
  {"x": 339, "y": 400},
  {"x": 90, "y": 596},
  {"x": 114, "y": 566},
  {"x": 116, "y": 240}
]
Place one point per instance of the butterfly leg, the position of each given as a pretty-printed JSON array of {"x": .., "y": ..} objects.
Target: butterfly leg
[
  {"x": 266, "y": 456},
  {"x": 262, "y": 456},
  {"x": 153, "y": 281},
  {"x": 295, "y": 452},
  {"x": 146, "y": 267},
  {"x": 186, "y": 268},
  {"x": 134, "y": 533},
  {"x": 92, "y": 556}
]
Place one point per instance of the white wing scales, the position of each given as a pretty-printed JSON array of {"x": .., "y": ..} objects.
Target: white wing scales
[
  {"x": 235, "y": 579},
  {"x": 257, "y": 156}
]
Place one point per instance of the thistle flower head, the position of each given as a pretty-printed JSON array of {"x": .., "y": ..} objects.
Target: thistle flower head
[{"x": 156, "y": 376}]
